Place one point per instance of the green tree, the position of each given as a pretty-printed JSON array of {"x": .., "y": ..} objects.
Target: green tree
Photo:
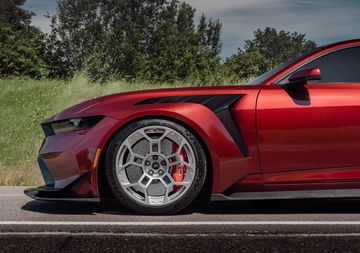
[
  {"x": 269, "y": 49},
  {"x": 22, "y": 53},
  {"x": 13, "y": 16},
  {"x": 149, "y": 39},
  {"x": 22, "y": 46}
]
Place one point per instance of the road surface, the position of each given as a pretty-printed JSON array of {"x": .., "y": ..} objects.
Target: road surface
[{"x": 261, "y": 226}]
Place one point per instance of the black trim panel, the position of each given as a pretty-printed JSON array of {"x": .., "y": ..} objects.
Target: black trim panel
[
  {"x": 219, "y": 104},
  {"x": 47, "y": 129}
]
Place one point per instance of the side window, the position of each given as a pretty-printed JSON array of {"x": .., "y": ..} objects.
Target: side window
[{"x": 342, "y": 66}]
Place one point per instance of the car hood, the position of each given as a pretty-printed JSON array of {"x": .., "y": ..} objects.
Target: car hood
[{"x": 127, "y": 100}]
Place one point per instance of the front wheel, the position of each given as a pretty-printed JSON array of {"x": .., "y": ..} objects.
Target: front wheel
[{"x": 155, "y": 166}]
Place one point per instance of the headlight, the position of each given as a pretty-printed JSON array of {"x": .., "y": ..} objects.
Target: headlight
[{"x": 70, "y": 125}]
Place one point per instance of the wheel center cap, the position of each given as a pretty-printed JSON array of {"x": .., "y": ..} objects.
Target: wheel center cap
[{"x": 155, "y": 166}]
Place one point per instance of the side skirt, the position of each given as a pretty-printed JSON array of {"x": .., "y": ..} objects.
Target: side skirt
[{"x": 347, "y": 193}]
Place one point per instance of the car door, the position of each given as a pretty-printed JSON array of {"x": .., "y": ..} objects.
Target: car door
[{"x": 312, "y": 132}]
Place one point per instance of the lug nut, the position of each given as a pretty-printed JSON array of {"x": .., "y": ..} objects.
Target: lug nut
[
  {"x": 160, "y": 172},
  {"x": 163, "y": 163},
  {"x": 147, "y": 163},
  {"x": 151, "y": 172},
  {"x": 155, "y": 157}
]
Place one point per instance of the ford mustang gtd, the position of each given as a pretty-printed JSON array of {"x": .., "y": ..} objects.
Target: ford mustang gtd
[{"x": 293, "y": 132}]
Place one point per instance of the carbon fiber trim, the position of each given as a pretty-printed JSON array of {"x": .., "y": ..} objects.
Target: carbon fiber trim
[{"x": 219, "y": 104}]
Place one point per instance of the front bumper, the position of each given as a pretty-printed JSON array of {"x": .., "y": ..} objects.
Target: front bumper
[{"x": 68, "y": 163}]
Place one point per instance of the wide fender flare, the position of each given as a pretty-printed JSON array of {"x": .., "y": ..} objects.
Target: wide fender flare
[{"x": 224, "y": 153}]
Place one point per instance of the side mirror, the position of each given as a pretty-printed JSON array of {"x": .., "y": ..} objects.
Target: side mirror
[{"x": 301, "y": 77}]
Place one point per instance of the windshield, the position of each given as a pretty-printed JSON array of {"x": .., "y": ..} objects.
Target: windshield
[{"x": 272, "y": 72}]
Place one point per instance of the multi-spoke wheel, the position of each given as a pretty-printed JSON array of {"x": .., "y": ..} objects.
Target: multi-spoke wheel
[{"x": 155, "y": 166}]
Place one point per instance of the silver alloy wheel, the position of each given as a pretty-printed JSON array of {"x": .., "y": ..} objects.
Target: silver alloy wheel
[{"x": 155, "y": 165}]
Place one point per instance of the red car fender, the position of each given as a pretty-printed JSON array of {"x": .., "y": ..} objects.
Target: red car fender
[{"x": 223, "y": 151}]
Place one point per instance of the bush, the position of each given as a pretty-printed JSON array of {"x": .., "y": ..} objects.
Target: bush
[{"x": 22, "y": 53}]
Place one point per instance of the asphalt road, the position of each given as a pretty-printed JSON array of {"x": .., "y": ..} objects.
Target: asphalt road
[{"x": 261, "y": 226}]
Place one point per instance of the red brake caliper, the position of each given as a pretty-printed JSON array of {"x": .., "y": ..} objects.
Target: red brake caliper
[{"x": 178, "y": 170}]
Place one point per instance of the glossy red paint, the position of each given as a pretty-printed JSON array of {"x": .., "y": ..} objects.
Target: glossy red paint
[
  {"x": 301, "y": 138},
  {"x": 313, "y": 73},
  {"x": 315, "y": 129}
]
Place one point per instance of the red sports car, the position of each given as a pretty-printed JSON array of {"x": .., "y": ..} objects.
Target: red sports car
[{"x": 293, "y": 132}]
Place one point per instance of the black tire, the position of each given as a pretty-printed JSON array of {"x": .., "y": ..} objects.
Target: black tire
[{"x": 189, "y": 196}]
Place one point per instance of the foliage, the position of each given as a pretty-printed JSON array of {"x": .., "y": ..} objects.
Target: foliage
[
  {"x": 22, "y": 53},
  {"x": 154, "y": 40},
  {"x": 22, "y": 46},
  {"x": 269, "y": 49},
  {"x": 11, "y": 15},
  {"x": 148, "y": 39}
]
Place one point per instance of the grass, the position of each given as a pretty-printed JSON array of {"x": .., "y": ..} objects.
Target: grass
[{"x": 26, "y": 103}]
